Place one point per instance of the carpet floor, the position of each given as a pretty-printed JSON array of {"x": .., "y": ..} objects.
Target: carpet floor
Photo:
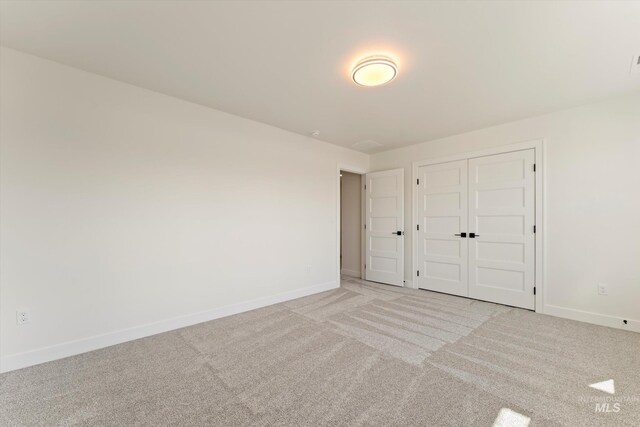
[{"x": 364, "y": 354}]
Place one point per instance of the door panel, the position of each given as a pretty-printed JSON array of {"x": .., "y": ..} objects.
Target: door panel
[
  {"x": 442, "y": 213},
  {"x": 502, "y": 215},
  {"x": 384, "y": 250}
]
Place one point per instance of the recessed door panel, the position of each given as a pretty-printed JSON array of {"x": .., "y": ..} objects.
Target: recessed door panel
[
  {"x": 384, "y": 244},
  {"x": 443, "y": 248},
  {"x": 385, "y": 207},
  {"x": 442, "y": 224},
  {"x": 500, "y": 198},
  {"x": 510, "y": 225},
  {"x": 384, "y": 224},
  {"x": 500, "y": 251},
  {"x": 442, "y": 271},
  {"x": 499, "y": 278},
  {"x": 442, "y": 201},
  {"x": 500, "y": 170}
]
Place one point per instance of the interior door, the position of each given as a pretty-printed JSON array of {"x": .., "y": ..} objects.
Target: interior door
[
  {"x": 384, "y": 227},
  {"x": 501, "y": 226},
  {"x": 441, "y": 228}
]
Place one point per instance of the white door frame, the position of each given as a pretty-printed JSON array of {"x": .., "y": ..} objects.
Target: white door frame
[
  {"x": 361, "y": 172},
  {"x": 538, "y": 146}
]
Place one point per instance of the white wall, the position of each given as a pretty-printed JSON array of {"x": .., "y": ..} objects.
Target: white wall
[
  {"x": 351, "y": 223},
  {"x": 121, "y": 207},
  {"x": 592, "y": 203}
]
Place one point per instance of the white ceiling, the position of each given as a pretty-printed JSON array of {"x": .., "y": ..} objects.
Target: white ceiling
[{"x": 462, "y": 65}]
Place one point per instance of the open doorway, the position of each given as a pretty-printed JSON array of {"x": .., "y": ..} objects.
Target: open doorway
[{"x": 351, "y": 224}]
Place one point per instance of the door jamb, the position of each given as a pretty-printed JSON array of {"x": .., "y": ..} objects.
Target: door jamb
[
  {"x": 362, "y": 172},
  {"x": 538, "y": 146}
]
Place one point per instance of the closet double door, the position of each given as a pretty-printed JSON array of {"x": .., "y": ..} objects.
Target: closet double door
[{"x": 475, "y": 228}]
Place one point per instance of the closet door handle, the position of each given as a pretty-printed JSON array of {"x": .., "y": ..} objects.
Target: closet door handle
[
  {"x": 461, "y": 234},
  {"x": 473, "y": 235}
]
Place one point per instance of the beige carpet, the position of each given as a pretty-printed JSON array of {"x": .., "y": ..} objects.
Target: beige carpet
[{"x": 365, "y": 354}]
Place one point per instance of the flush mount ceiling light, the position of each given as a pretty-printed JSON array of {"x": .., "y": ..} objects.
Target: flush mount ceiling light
[{"x": 374, "y": 71}]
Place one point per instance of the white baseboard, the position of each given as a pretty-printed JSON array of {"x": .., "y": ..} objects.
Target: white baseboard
[
  {"x": 71, "y": 348},
  {"x": 408, "y": 284},
  {"x": 350, "y": 273},
  {"x": 595, "y": 318}
]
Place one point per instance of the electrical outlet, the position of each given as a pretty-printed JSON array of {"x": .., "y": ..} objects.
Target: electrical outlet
[
  {"x": 22, "y": 317},
  {"x": 603, "y": 289}
]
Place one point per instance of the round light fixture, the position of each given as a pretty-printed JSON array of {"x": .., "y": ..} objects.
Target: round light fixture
[{"x": 374, "y": 71}]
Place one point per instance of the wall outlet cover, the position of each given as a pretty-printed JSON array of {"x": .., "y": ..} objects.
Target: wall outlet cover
[{"x": 22, "y": 317}]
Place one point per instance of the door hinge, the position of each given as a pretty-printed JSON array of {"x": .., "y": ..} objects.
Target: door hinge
[
  {"x": 534, "y": 229},
  {"x": 417, "y": 181},
  {"x": 534, "y": 290},
  {"x": 365, "y": 186},
  {"x": 365, "y": 226},
  {"x": 418, "y": 227},
  {"x": 534, "y": 167},
  {"x": 418, "y": 273},
  {"x": 365, "y": 266}
]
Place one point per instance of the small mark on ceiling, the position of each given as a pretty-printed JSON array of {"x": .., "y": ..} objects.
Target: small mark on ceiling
[{"x": 366, "y": 145}]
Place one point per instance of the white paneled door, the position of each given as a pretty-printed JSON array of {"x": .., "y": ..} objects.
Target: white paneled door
[
  {"x": 384, "y": 227},
  {"x": 475, "y": 228},
  {"x": 442, "y": 220},
  {"x": 501, "y": 219}
]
